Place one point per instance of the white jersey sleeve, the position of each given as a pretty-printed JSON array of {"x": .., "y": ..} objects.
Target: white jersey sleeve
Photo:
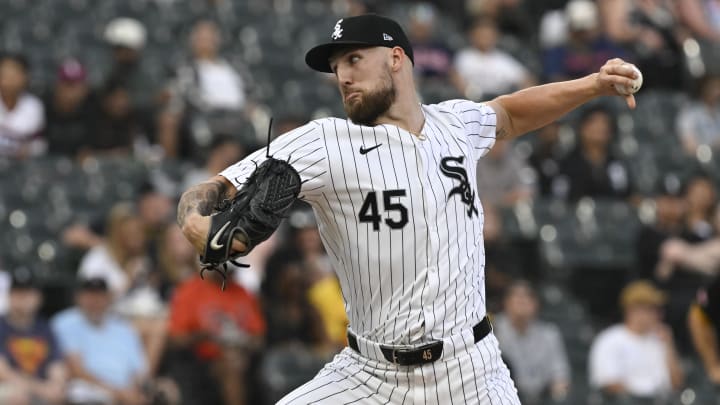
[
  {"x": 302, "y": 147},
  {"x": 479, "y": 121}
]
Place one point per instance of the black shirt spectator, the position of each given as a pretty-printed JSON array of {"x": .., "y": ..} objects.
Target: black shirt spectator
[
  {"x": 289, "y": 315},
  {"x": 546, "y": 156},
  {"x": 116, "y": 125},
  {"x": 591, "y": 170},
  {"x": 69, "y": 108},
  {"x": 668, "y": 223}
]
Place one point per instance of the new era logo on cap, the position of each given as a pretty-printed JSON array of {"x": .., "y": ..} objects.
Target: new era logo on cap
[{"x": 387, "y": 37}]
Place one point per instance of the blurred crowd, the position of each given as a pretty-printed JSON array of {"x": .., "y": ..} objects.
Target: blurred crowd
[{"x": 138, "y": 324}]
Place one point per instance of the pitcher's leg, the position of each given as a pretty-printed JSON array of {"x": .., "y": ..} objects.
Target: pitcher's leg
[
  {"x": 351, "y": 379},
  {"x": 475, "y": 376}
]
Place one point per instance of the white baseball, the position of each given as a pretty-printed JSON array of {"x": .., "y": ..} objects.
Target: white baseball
[{"x": 631, "y": 89}]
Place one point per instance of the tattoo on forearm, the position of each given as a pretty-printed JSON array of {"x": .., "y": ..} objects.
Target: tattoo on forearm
[{"x": 201, "y": 198}]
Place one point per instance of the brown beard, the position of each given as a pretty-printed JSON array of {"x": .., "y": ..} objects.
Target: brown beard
[{"x": 371, "y": 105}]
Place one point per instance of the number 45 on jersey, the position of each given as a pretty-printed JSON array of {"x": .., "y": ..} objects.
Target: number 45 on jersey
[{"x": 369, "y": 212}]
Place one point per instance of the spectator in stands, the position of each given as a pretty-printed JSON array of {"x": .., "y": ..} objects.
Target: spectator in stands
[
  {"x": 69, "y": 109},
  {"x": 122, "y": 258},
  {"x": 484, "y": 70},
  {"x": 323, "y": 290},
  {"x": 104, "y": 353},
  {"x": 667, "y": 224},
  {"x": 504, "y": 177},
  {"x": 501, "y": 264},
  {"x": 680, "y": 278},
  {"x": 127, "y": 37},
  {"x": 586, "y": 48},
  {"x": 704, "y": 324},
  {"x": 208, "y": 88},
  {"x": 290, "y": 316},
  {"x": 155, "y": 209},
  {"x": 433, "y": 57},
  {"x": 591, "y": 170},
  {"x": 222, "y": 329},
  {"x": 699, "y": 123},
  {"x": 116, "y": 127},
  {"x": 701, "y": 258},
  {"x": 224, "y": 151},
  {"x": 700, "y": 200},
  {"x": 637, "y": 358},
  {"x": 702, "y": 19},
  {"x": 22, "y": 115},
  {"x": 297, "y": 343},
  {"x": 177, "y": 260},
  {"x": 650, "y": 29},
  {"x": 31, "y": 366},
  {"x": 534, "y": 349},
  {"x": 546, "y": 156}
]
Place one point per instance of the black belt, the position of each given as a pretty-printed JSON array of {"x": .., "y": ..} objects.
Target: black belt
[{"x": 426, "y": 353}]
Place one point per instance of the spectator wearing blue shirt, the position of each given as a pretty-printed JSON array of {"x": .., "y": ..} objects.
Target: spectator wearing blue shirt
[
  {"x": 586, "y": 49},
  {"x": 104, "y": 353},
  {"x": 31, "y": 368}
]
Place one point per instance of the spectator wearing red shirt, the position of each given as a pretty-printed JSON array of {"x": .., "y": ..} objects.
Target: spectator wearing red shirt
[{"x": 223, "y": 329}]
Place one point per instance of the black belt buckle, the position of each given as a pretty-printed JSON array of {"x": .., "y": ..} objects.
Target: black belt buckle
[{"x": 426, "y": 353}]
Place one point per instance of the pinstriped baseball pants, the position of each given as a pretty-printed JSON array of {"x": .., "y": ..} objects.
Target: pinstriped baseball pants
[{"x": 475, "y": 375}]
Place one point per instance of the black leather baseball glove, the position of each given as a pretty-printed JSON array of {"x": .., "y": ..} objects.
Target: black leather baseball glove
[{"x": 252, "y": 215}]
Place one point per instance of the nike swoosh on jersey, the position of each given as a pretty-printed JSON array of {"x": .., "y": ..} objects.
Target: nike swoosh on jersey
[
  {"x": 364, "y": 150},
  {"x": 214, "y": 241}
]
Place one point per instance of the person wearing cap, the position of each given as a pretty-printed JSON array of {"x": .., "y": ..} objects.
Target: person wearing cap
[
  {"x": 69, "y": 108},
  {"x": 637, "y": 358},
  {"x": 31, "y": 366},
  {"x": 586, "y": 47},
  {"x": 393, "y": 189},
  {"x": 104, "y": 353},
  {"x": 127, "y": 38},
  {"x": 22, "y": 116}
]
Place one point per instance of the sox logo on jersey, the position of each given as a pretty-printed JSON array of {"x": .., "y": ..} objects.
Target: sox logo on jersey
[
  {"x": 399, "y": 218},
  {"x": 467, "y": 195}
]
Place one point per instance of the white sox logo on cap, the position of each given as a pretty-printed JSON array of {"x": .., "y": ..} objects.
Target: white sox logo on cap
[{"x": 338, "y": 30}]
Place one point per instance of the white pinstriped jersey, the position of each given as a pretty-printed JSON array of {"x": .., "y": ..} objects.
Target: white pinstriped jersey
[{"x": 399, "y": 216}]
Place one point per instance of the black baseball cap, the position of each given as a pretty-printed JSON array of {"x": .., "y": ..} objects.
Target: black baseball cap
[
  {"x": 363, "y": 30},
  {"x": 94, "y": 283},
  {"x": 23, "y": 279}
]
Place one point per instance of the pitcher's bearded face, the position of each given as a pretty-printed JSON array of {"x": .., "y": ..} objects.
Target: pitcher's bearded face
[{"x": 364, "y": 107}]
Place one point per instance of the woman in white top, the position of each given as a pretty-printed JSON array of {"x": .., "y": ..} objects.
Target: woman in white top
[{"x": 22, "y": 115}]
